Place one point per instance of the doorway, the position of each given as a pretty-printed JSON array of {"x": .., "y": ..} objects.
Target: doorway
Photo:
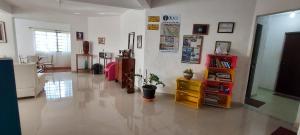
[{"x": 272, "y": 83}]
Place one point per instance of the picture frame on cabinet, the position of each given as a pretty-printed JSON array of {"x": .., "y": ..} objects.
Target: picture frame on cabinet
[
  {"x": 3, "y": 38},
  {"x": 222, "y": 47},
  {"x": 226, "y": 27}
]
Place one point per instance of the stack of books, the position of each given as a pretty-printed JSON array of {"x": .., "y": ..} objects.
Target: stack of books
[{"x": 226, "y": 77}]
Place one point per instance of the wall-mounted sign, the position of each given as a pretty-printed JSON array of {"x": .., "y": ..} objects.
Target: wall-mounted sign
[
  {"x": 153, "y": 26},
  {"x": 169, "y": 33},
  {"x": 153, "y": 18}
]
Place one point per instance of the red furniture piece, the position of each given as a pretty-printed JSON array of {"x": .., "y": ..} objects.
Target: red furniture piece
[{"x": 110, "y": 71}]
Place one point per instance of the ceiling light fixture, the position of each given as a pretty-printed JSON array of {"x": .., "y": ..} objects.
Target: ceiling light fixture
[
  {"x": 76, "y": 13},
  {"x": 101, "y": 13},
  {"x": 292, "y": 15}
]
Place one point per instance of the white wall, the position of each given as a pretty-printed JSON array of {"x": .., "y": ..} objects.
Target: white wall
[
  {"x": 108, "y": 27},
  {"x": 168, "y": 65},
  {"x": 272, "y": 6},
  {"x": 8, "y": 49},
  {"x": 77, "y": 23},
  {"x": 134, "y": 21}
]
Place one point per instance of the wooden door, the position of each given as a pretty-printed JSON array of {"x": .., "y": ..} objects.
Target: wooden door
[{"x": 289, "y": 72}]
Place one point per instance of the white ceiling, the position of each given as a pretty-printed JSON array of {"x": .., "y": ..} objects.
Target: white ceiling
[
  {"x": 134, "y": 4},
  {"x": 78, "y": 7}
]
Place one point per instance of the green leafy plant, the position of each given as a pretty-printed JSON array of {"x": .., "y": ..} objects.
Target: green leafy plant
[
  {"x": 188, "y": 71},
  {"x": 152, "y": 79}
]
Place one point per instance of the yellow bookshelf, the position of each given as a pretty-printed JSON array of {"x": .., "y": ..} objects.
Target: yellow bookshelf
[{"x": 189, "y": 92}]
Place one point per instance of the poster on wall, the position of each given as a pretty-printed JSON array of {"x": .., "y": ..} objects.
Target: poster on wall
[
  {"x": 153, "y": 26},
  {"x": 153, "y": 18},
  {"x": 191, "y": 49},
  {"x": 2, "y": 32},
  {"x": 169, "y": 33}
]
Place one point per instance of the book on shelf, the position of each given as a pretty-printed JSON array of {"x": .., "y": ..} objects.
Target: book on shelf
[{"x": 215, "y": 62}]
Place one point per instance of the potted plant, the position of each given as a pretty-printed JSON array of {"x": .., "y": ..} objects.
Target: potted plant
[
  {"x": 188, "y": 74},
  {"x": 150, "y": 84}
]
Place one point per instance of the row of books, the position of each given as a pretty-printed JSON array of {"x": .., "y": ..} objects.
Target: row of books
[
  {"x": 220, "y": 63},
  {"x": 219, "y": 88},
  {"x": 225, "y": 77}
]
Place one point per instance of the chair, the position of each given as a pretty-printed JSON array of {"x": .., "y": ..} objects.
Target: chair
[
  {"x": 48, "y": 63},
  {"x": 110, "y": 71},
  {"x": 28, "y": 82},
  {"x": 32, "y": 59}
]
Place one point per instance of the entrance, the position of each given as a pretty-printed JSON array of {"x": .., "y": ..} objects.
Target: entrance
[{"x": 275, "y": 67}]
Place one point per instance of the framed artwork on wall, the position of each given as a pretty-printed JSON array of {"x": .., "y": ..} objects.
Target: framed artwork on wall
[
  {"x": 192, "y": 49},
  {"x": 139, "y": 42},
  {"x": 101, "y": 40},
  {"x": 79, "y": 35},
  {"x": 131, "y": 36},
  {"x": 2, "y": 32},
  {"x": 200, "y": 29},
  {"x": 222, "y": 47},
  {"x": 226, "y": 27}
]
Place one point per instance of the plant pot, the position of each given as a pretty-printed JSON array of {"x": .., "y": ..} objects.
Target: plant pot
[
  {"x": 149, "y": 91},
  {"x": 187, "y": 76}
]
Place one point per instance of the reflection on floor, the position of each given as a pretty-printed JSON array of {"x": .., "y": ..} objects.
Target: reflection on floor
[
  {"x": 84, "y": 104},
  {"x": 279, "y": 107}
]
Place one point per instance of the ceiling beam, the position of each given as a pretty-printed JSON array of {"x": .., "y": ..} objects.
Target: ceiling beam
[{"x": 145, "y": 3}]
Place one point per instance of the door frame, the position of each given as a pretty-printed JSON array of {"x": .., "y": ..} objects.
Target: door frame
[{"x": 255, "y": 47}]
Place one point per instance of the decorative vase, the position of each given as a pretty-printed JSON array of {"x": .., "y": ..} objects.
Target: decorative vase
[
  {"x": 86, "y": 47},
  {"x": 188, "y": 76}
]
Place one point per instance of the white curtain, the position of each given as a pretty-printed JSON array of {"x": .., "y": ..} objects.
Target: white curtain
[{"x": 53, "y": 43}]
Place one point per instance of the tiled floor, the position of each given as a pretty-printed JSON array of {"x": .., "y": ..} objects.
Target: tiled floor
[
  {"x": 83, "y": 104},
  {"x": 277, "y": 106}
]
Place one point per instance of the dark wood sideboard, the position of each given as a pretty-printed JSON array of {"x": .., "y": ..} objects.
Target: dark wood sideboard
[{"x": 125, "y": 70}]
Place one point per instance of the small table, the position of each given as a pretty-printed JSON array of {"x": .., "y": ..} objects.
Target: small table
[
  {"x": 105, "y": 56},
  {"x": 88, "y": 56}
]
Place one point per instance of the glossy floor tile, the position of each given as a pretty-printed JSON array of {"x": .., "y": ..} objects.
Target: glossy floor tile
[
  {"x": 279, "y": 107},
  {"x": 83, "y": 104}
]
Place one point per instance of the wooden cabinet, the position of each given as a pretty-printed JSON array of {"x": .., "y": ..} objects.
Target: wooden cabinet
[
  {"x": 125, "y": 70},
  {"x": 189, "y": 92}
]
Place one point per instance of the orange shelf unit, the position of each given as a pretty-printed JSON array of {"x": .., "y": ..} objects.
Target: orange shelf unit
[{"x": 219, "y": 80}]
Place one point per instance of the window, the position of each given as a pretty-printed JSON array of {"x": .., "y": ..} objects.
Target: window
[{"x": 52, "y": 41}]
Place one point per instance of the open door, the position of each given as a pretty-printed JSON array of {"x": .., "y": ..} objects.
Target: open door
[{"x": 255, "y": 51}]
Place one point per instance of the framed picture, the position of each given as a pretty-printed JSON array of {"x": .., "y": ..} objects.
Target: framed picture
[
  {"x": 79, "y": 35},
  {"x": 139, "y": 42},
  {"x": 222, "y": 47},
  {"x": 101, "y": 40},
  {"x": 200, "y": 29},
  {"x": 226, "y": 27},
  {"x": 2, "y": 33},
  {"x": 131, "y": 36},
  {"x": 192, "y": 49}
]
